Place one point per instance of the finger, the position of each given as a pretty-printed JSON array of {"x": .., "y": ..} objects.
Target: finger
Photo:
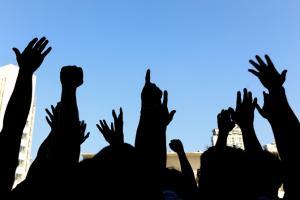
[
  {"x": 105, "y": 124},
  {"x": 269, "y": 62},
  {"x": 85, "y": 137},
  {"x": 99, "y": 128},
  {"x": 238, "y": 99},
  {"x": 31, "y": 43},
  {"x": 255, "y": 65},
  {"x": 49, "y": 122},
  {"x": 261, "y": 62},
  {"x": 39, "y": 43},
  {"x": 259, "y": 109},
  {"x": 102, "y": 124},
  {"x": 121, "y": 114},
  {"x": 42, "y": 47},
  {"x": 230, "y": 110},
  {"x": 171, "y": 115},
  {"x": 266, "y": 97},
  {"x": 147, "y": 78},
  {"x": 49, "y": 114},
  {"x": 255, "y": 73},
  {"x": 249, "y": 97},
  {"x": 219, "y": 116},
  {"x": 245, "y": 95},
  {"x": 112, "y": 127},
  {"x": 46, "y": 52},
  {"x": 255, "y": 101},
  {"x": 54, "y": 111},
  {"x": 81, "y": 123},
  {"x": 283, "y": 75},
  {"x": 114, "y": 115},
  {"x": 231, "y": 113},
  {"x": 17, "y": 52},
  {"x": 83, "y": 127},
  {"x": 165, "y": 98}
]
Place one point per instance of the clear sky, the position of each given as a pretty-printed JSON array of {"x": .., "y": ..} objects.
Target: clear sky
[{"x": 198, "y": 50}]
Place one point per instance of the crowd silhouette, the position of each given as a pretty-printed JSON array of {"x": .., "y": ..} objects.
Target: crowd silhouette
[{"x": 123, "y": 171}]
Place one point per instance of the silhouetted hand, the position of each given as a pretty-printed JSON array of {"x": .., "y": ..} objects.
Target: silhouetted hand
[
  {"x": 52, "y": 118},
  {"x": 32, "y": 56},
  {"x": 176, "y": 146},
  {"x": 244, "y": 111},
  {"x": 267, "y": 73},
  {"x": 113, "y": 134},
  {"x": 71, "y": 76},
  {"x": 268, "y": 107},
  {"x": 225, "y": 121},
  {"x": 151, "y": 94},
  {"x": 167, "y": 116},
  {"x": 82, "y": 135}
]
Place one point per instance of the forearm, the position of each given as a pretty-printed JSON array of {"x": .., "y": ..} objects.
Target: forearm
[
  {"x": 148, "y": 139},
  {"x": 18, "y": 105},
  {"x": 222, "y": 140},
  {"x": 163, "y": 148},
  {"x": 69, "y": 110},
  {"x": 250, "y": 140},
  {"x": 13, "y": 124},
  {"x": 187, "y": 170},
  {"x": 285, "y": 124}
]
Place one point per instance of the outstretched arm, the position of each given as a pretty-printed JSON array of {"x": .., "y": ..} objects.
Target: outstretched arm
[
  {"x": 71, "y": 78},
  {"x": 185, "y": 165},
  {"x": 276, "y": 109},
  {"x": 150, "y": 138},
  {"x": 150, "y": 141},
  {"x": 18, "y": 108},
  {"x": 285, "y": 124}
]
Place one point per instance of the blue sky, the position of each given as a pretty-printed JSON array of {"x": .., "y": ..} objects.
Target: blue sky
[{"x": 197, "y": 50}]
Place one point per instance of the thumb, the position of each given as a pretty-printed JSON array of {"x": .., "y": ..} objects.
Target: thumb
[
  {"x": 260, "y": 110},
  {"x": 17, "y": 52},
  {"x": 171, "y": 115},
  {"x": 283, "y": 75}
]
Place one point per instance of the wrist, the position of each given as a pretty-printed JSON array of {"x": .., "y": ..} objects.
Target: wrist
[
  {"x": 276, "y": 90},
  {"x": 180, "y": 153},
  {"x": 25, "y": 72}
]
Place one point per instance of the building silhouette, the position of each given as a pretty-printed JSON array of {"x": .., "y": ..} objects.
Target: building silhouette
[{"x": 234, "y": 139}]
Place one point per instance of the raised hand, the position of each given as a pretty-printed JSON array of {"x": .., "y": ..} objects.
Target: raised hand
[
  {"x": 113, "y": 134},
  {"x": 53, "y": 115},
  {"x": 267, "y": 73},
  {"x": 244, "y": 111},
  {"x": 33, "y": 55},
  {"x": 176, "y": 145},
  {"x": 82, "y": 135},
  {"x": 167, "y": 116},
  {"x": 244, "y": 117},
  {"x": 225, "y": 121},
  {"x": 268, "y": 108},
  {"x": 225, "y": 125},
  {"x": 151, "y": 94},
  {"x": 71, "y": 76}
]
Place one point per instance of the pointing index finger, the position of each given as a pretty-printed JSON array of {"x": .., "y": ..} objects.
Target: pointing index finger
[{"x": 147, "y": 78}]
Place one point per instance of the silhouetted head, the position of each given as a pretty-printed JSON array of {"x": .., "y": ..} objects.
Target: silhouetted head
[
  {"x": 114, "y": 172},
  {"x": 267, "y": 174},
  {"x": 223, "y": 174},
  {"x": 175, "y": 184}
]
